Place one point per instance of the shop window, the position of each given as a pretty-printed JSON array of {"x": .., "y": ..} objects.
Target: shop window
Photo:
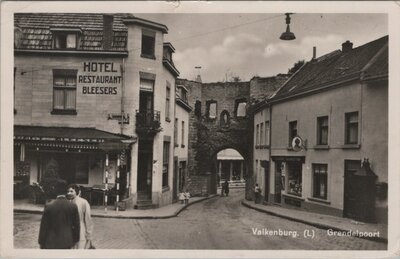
[
  {"x": 65, "y": 40},
  {"x": 294, "y": 172},
  {"x": 167, "y": 103},
  {"x": 320, "y": 181},
  {"x": 64, "y": 91},
  {"x": 211, "y": 109},
  {"x": 351, "y": 128},
  {"x": 267, "y": 133},
  {"x": 292, "y": 131},
  {"x": 148, "y": 44},
  {"x": 322, "y": 130},
  {"x": 165, "y": 164}
]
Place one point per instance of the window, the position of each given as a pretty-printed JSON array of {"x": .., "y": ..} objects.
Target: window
[
  {"x": 267, "y": 133},
  {"x": 240, "y": 108},
  {"x": 322, "y": 130},
  {"x": 292, "y": 131},
  {"x": 320, "y": 181},
  {"x": 212, "y": 110},
  {"x": 262, "y": 134},
  {"x": 65, "y": 40},
  {"x": 183, "y": 134},
  {"x": 351, "y": 128},
  {"x": 176, "y": 133},
  {"x": 167, "y": 102},
  {"x": 294, "y": 171},
  {"x": 257, "y": 135},
  {"x": 182, "y": 93},
  {"x": 148, "y": 44},
  {"x": 64, "y": 91},
  {"x": 165, "y": 164}
]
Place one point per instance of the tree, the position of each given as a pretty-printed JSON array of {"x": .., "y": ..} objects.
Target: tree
[{"x": 296, "y": 67}]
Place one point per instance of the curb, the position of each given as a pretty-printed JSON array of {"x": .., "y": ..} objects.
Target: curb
[
  {"x": 314, "y": 224},
  {"x": 129, "y": 217}
]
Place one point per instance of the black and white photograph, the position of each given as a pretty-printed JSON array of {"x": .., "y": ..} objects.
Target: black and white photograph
[{"x": 189, "y": 127}]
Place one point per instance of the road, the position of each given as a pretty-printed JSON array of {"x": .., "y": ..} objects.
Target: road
[{"x": 217, "y": 223}]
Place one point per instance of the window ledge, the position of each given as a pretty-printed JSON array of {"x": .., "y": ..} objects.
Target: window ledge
[
  {"x": 351, "y": 146},
  {"x": 182, "y": 145},
  {"x": 319, "y": 200},
  {"x": 265, "y": 146},
  {"x": 321, "y": 147},
  {"x": 293, "y": 196},
  {"x": 176, "y": 145},
  {"x": 165, "y": 189},
  {"x": 167, "y": 119},
  {"x": 148, "y": 56},
  {"x": 63, "y": 112},
  {"x": 257, "y": 146}
]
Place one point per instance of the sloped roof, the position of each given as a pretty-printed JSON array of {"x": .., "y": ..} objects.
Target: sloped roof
[
  {"x": 66, "y": 132},
  {"x": 335, "y": 67},
  {"x": 36, "y": 29}
]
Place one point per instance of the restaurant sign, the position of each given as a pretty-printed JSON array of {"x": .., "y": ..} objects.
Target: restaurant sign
[{"x": 100, "y": 78}]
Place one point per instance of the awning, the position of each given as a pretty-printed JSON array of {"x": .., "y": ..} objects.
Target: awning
[{"x": 66, "y": 137}]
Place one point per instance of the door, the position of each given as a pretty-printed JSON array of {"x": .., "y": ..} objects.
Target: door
[
  {"x": 350, "y": 188},
  {"x": 175, "y": 181},
  {"x": 146, "y": 106},
  {"x": 145, "y": 168}
]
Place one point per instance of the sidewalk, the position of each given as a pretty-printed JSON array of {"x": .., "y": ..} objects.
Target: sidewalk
[
  {"x": 323, "y": 221},
  {"x": 164, "y": 212}
]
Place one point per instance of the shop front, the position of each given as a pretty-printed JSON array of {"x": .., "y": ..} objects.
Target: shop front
[
  {"x": 45, "y": 157},
  {"x": 288, "y": 180}
]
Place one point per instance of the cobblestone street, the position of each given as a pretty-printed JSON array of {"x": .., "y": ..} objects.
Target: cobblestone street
[{"x": 218, "y": 223}]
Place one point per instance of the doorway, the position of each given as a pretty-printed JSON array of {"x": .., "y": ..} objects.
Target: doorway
[{"x": 145, "y": 168}]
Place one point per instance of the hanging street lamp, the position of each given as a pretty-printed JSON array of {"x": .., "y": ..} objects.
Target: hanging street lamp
[{"x": 288, "y": 35}]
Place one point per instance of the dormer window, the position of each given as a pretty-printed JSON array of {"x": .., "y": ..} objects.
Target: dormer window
[
  {"x": 65, "y": 38},
  {"x": 65, "y": 41}
]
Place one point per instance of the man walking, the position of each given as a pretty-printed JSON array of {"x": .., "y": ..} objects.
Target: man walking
[
  {"x": 86, "y": 225},
  {"x": 59, "y": 227}
]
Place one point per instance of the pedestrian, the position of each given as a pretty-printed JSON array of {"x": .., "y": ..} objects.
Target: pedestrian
[
  {"x": 222, "y": 189},
  {"x": 86, "y": 225},
  {"x": 226, "y": 187},
  {"x": 257, "y": 193},
  {"x": 59, "y": 226},
  {"x": 187, "y": 196}
]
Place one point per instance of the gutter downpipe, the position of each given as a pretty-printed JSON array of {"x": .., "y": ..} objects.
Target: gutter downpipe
[{"x": 122, "y": 95}]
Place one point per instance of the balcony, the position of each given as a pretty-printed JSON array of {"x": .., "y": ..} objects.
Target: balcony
[{"x": 148, "y": 122}]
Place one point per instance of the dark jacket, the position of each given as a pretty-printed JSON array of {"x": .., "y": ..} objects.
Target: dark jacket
[{"x": 59, "y": 227}]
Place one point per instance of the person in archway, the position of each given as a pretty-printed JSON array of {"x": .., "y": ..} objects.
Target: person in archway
[{"x": 226, "y": 187}]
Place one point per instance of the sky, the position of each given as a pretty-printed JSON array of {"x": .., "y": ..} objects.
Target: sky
[{"x": 247, "y": 45}]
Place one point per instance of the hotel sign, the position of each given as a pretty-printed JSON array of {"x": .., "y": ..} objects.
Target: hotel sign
[{"x": 100, "y": 78}]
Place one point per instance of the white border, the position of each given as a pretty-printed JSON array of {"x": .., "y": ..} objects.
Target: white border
[{"x": 6, "y": 117}]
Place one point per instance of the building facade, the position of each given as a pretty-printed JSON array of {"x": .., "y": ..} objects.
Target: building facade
[
  {"x": 94, "y": 105},
  {"x": 329, "y": 135}
]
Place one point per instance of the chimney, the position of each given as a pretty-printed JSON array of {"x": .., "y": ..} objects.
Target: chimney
[
  {"x": 347, "y": 46},
  {"x": 107, "y": 31},
  {"x": 314, "y": 54}
]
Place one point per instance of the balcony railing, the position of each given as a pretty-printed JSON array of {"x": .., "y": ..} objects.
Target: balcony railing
[{"x": 148, "y": 121}]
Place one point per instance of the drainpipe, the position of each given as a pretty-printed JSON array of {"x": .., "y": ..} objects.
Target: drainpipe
[
  {"x": 122, "y": 95},
  {"x": 270, "y": 157}
]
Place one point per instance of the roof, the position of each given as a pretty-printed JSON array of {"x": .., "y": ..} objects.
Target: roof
[
  {"x": 337, "y": 67},
  {"x": 66, "y": 134},
  {"x": 37, "y": 29}
]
